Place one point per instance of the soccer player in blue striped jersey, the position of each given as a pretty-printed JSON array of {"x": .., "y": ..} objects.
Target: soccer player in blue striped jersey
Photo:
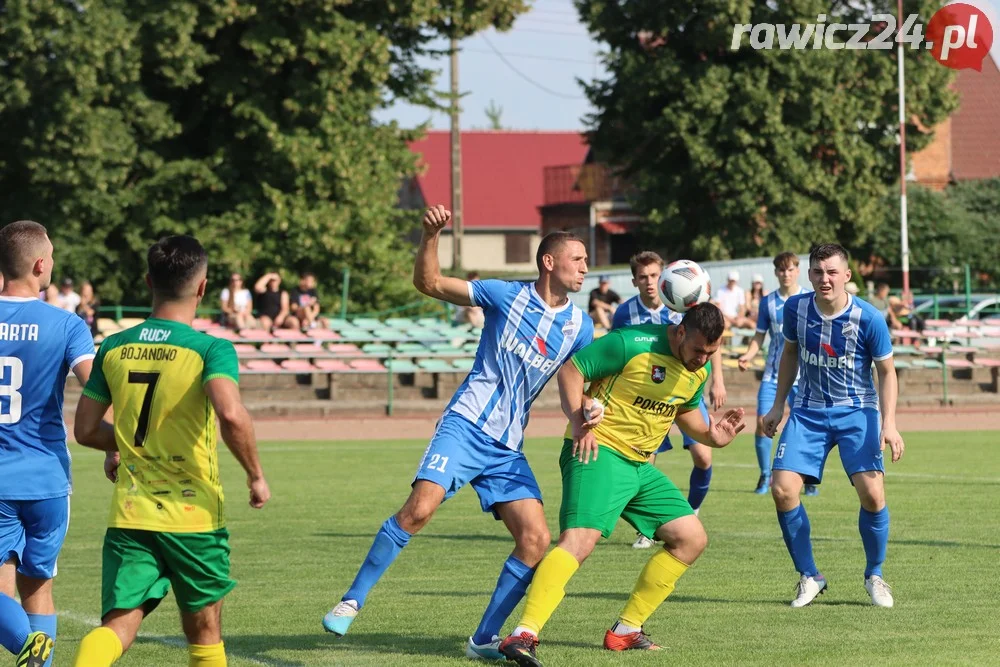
[
  {"x": 770, "y": 321},
  {"x": 39, "y": 345},
  {"x": 646, "y": 307},
  {"x": 831, "y": 341},
  {"x": 531, "y": 329}
]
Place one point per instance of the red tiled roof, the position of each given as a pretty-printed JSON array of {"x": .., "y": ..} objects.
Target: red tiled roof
[
  {"x": 502, "y": 184},
  {"x": 975, "y": 141}
]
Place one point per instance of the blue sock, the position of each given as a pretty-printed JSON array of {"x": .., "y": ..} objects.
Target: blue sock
[
  {"x": 698, "y": 486},
  {"x": 44, "y": 623},
  {"x": 874, "y": 528},
  {"x": 14, "y": 626},
  {"x": 511, "y": 586},
  {"x": 795, "y": 529},
  {"x": 389, "y": 541},
  {"x": 762, "y": 444}
]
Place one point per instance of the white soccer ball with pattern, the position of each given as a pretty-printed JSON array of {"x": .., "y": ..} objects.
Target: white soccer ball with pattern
[{"x": 683, "y": 285}]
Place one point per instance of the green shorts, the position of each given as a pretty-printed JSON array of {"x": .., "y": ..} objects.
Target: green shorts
[
  {"x": 140, "y": 565},
  {"x": 595, "y": 495}
]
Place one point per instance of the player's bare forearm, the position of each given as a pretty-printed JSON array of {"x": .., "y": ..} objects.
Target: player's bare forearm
[
  {"x": 89, "y": 427},
  {"x": 787, "y": 370},
  {"x": 888, "y": 390},
  {"x": 754, "y": 347},
  {"x": 692, "y": 424},
  {"x": 571, "y": 383},
  {"x": 235, "y": 424},
  {"x": 238, "y": 434}
]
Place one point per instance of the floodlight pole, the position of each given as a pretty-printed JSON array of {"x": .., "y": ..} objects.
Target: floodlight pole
[
  {"x": 456, "y": 162},
  {"x": 903, "y": 226}
]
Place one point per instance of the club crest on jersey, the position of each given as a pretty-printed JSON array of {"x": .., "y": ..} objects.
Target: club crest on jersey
[
  {"x": 658, "y": 374},
  {"x": 849, "y": 329}
]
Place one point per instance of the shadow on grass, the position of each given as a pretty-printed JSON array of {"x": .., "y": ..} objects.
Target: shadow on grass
[
  {"x": 431, "y": 536},
  {"x": 257, "y": 647}
]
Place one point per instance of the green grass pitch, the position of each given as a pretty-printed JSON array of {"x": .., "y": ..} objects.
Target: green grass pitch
[{"x": 294, "y": 559}]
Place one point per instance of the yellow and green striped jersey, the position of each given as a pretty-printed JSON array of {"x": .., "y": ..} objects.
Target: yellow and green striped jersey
[
  {"x": 642, "y": 385},
  {"x": 154, "y": 375}
]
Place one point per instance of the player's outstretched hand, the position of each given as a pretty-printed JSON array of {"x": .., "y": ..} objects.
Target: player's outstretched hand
[
  {"x": 593, "y": 412},
  {"x": 111, "y": 462},
  {"x": 260, "y": 493},
  {"x": 436, "y": 218},
  {"x": 772, "y": 420},
  {"x": 744, "y": 362},
  {"x": 724, "y": 430},
  {"x": 584, "y": 446},
  {"x": 891, "y": 437}
]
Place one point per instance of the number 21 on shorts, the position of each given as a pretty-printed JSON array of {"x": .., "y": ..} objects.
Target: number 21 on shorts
[{"x": 437, "y": 462}]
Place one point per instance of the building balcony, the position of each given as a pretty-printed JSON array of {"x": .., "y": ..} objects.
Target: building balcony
[{"x": 580, "y": 184}]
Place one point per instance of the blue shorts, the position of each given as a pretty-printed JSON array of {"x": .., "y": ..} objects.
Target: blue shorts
[
  {"x": 688, "y": 440},
  {"x": 811, "y": 433},
  {"x": 460, "y": 454},
  {"x": 766, "y": 395},
  {"x": 33, "y": 530}
]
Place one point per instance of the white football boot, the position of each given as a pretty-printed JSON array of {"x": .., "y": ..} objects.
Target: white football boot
[
  {"x": 808, "y": 589},
  {"x": 879, "y": 590}
]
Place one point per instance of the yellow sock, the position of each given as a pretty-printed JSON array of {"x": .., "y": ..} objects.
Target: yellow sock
[
  {"x": 99, "y": 648},
  {"x": 207, "y": 656},
  {"x": 655, "y": 583},
  {"x": 548, "y": 587}
]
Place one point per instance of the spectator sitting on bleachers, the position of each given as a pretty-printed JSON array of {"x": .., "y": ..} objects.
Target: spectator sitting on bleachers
[
  {"x": 883, "y": 302},
  {"x": 732, "y": 301},
  {"x": 470, "y": 314},
  {"x": 603, "y": 303},
  {"x": 236, "y": 303},
  {"x": 87, "y": 309},
  {"x": 272, "y": 303},
  {"x": 304, "y": 301},
  {"x": 67, "y": 299}
]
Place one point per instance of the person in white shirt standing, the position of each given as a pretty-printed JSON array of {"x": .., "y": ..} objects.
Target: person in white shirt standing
[
  {"x": 68, "y": 299},
  {"x": 732, "y": 301}
]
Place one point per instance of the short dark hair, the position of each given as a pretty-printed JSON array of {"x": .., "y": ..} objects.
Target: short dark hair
[
  {"x": 552, "y": 242},
  {"x": 19, "y": 246},
  {"x": 174, "y": 262},
  {"x": 785, "y": 260},
  {"x": 306, "y": 274},
  {"x": 826, "y": 251},
  {"x": 644, "y": 258},
  {"x": 707, "y": 319},
  {"x": 881, "y": 286}
]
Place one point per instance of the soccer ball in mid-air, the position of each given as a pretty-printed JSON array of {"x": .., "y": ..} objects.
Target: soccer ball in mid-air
[{"x": 683, "y": 285}]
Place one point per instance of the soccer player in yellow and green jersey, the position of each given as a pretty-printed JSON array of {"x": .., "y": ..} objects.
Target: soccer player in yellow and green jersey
[
  {"x": 167, "y": 382},
  {"x": 646, "y": 377}
]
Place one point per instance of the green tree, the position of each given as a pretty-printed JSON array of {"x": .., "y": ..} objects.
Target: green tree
[
  {"x": 248, "y": 124},
  {"x": 947, "y": 230},
  {"x": 748, "y": 152}
]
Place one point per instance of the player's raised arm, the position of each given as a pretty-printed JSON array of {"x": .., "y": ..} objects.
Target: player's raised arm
[
  {"x": 427, "y": 276},
  {"x": 238, "y": 434}
]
